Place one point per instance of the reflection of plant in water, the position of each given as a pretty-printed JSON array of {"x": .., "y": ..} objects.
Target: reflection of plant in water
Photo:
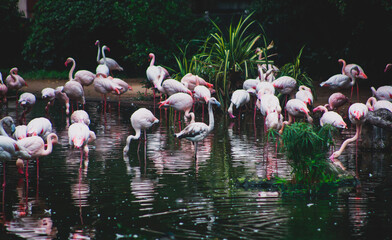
[{"x": 306, "y": 148}]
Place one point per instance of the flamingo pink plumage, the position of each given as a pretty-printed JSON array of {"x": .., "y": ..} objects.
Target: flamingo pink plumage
[
  {"x": 336, "y": 100},
  {"x": 202, "y": 94},
  {"x": 141, "y": 119},
  {"x": 84, "y": 77},
  {"x": 80, "y": 116},
  {"x": 14, "y": 81},
  {"x": 382, "y": 93},
  {"x": 79, "y": 135},
  {"x": 305, "y": 94},
  {"x": 40, "y": 126},
  {"x": 20, "y": 132},
  {"x": 103, "y": 68},
  {"x": 297, "y": 108},
  {"x": 374, "y": 105},
  {"x": 346, "y": 69},
  {"x": 268, "y": 102},
  {"x": 239, "y": 98},
  {"x": 105, "y": 85},
  {"x": 124, "y": 88},
  {"x": 48, "y": 94},
  {"x": 180, "y": 102},
  {"x": 285, "y": 84},
  {"x": 190, "y": 81},
  {"x": 387, "y": 67},
  {"x": 330, "y": 117},
  {"x": 111, "y": 63},
  {"x": 27, "y": 101},
  {"x": 357, "y": 115}
]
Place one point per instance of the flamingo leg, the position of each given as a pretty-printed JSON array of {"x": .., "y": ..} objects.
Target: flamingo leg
[{"x": 196, "y": 150}]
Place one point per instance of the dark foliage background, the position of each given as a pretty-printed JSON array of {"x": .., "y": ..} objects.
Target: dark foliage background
[{"x": 359, "y": 31}]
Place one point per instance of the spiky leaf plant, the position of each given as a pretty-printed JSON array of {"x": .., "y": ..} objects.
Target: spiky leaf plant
[{"x": 306, "y": 148}]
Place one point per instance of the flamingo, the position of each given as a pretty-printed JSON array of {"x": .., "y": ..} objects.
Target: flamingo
[
  {"x": 171, "y": 86},
  {"x": 103, "y": 67},
  {"x": 84, "y": 77},
  {"x": 80, "y": 116},
  {"x": 274, "y": 120},
  {"x": 373, "y": 105},
  {"x": 40, "y": 126},
  {"x": 357, "y": 115},
  {"x": 104, "y": 86},
  {"x": 20, "y": 132},
  {"x": 6, "y": 121},
  {"x": 202, "y": 94},
  {"x": 154, "y": 73},
  {"x": 36, "y": 147},
  {"x": 27, "y": 101},
  {"x": 336, "y": 100},
  {"x": 297, "y": 108},
  {"x": 3, "y": 90},
  {"x": 9, "y": 148},
  {"x": 73, "y": 89},
  {"x": 330, "y": 117},
  {"x": 387, "y": 67},
  {"x": 79, "y": 136},
  {"x": 14, "y": 81},
  {"x": 346, "y": 69},
  {"x": 339, "y": 81},
  {"x": 48, "y": 94},
  {"x": 197, "y": 131},
  {"x": 382, "y": 93},
  {"x": 268, "y": 102},
  {"x": 239, "y": 98},
  {"x": 141, "y": 119},
  {"x": 305, "y": 94},
  {"x": 285, "y": 84},
  {"x": 180, "y": 102},
  {"x": 124, "y": 88},
  {"x": 111, "y": 63},
  {"x": 62, "y": 96},
  {"x": 190, "y": 81}
]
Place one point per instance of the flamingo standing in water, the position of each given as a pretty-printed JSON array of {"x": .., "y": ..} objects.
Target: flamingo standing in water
[
  {"x": 80, "y": 116},
  {"x": 374, "y": 105},
  {"x": 296, "y": 108},
  {"x": 346, "y": 70},
  {"x": 104, "y": 85},
  {"x": 180, "y": 102},
  {"x": 124, "y": 88},
  {"x": 154, "y": 73},
  {"x": 79, "y": 136},
  {"x": 197, "y": 131},
  {"x": 15, "y": 82},
  {"x": 357, "y": 115},
  {"x": 202, "y": 94},
  {"x": 171, "y": 86},
  {"x": 336, "y": 100},
  {"x": 36, "y": 148},
  {"x": 40, "y": 126},
  {"x": 239, "y": 98},
  {"x": 48, "y": 94},
  {"x": 382, "y": 93},
  {"x": 111, "y": 63},
  {"x": 141, "y": 119},
  {"x": 27, "y": 101},
  {"x": 3, "y": 90},
  {"x": 84, "y": 77},
  {"x": 103, "y": 68},
  {"x": 9, "y": 148},
  {"x": 330, "y": 117}
]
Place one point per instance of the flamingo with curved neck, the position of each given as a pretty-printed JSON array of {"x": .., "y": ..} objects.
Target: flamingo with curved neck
[
  {"x": 103, "y": 69},
  {"x": 111, "y": 63},
  {"x": 9, "y": 122}
]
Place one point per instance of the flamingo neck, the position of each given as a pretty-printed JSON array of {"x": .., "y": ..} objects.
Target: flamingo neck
[
  {"x": 349, "y": 140},
  {"x": 370, "y": 103},
  {"x": 2, "y": 131},
  {"x": 344, "y": 64},
  {"x": 130, "y": 138},
  {"x": 104, "y": 56},
  {"x": 152, "y": 62},
  {"x": 211, "y": 117},
  {"x": 261, "y": 73},
  {"x": 49, "y": 146},
  {"x": 99, "y": 52},
  {"x": 373, "y": 91},
  {"x": 70, "y": 74}
]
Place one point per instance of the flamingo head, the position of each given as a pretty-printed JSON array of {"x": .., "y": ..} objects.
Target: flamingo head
[
  {"x": 332, "y": 157},
  {"x": 362, "y": 75},
  {"x": 67, "y": 61},
  {"x": 151, "y": 55},
  {"x": 164, "y": 103},
  {"x": 209, "y": 85},
  {"x": 231, "y": 115},
  {"x": 14, "y": 70},
  {"x": 342, "y": 125},
  {"x": 96, "y": 42},
  {"x": 214, "y": 101},
  {"x": 78, "y": 141}
]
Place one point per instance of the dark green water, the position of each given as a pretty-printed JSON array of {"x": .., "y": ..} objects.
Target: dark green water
[{"x": 161, "y": 190}]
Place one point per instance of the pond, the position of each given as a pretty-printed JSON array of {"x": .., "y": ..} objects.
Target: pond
[{"x": 162, "y": 192}]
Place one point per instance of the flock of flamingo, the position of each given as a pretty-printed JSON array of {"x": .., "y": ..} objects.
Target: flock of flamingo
[{"x": 36, "y": 138}]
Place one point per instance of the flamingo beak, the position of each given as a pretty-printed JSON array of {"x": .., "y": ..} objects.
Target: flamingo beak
[
  {"x": 363, "y": 75},
  {"x": 332, "y": 158}
]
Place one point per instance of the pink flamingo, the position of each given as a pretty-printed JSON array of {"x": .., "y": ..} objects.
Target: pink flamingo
[
  {"x": 357, "y": 115},
  {"x": 62, "y": 96},
  {"x": 103, "y": 68},
  {"x": 75, "y": 92},
  {"x": 268, "y": 102},
  {"x": 346, "y": 70},
  {"x": 285, "y": 84},
  {"x": 79, "y": 136},
  {"x": 202, "y": 94},
  {"x": 154, "y": 73},
  {"x": 104, "y": 86},
  {"x": 330, "y": 117},
  {"x": 190, "y": 81},
  {"x": 373, "y": 105},
  {"x": 84, "y": 77},
  {"x": 141, "y": 119},
  {"x": 124, "y": 88},
  {"x": 180, "y": 102},
  {"x": 336, "y": 100},
  {"x": 305, "y": 94},
  {"x": 20, "y": 132},
  {"x": 27, "y": 101},
  {"x": 197, "y": 131},
  {"x": 9, "y": 148},
  {"x": 171, "y": 86},
  {"x": 3, "y": 90},
  {"x": 387, "y": 67},
  {"x": 382, "y": 93},
  {"x": 40, "y": 126},
  {"x": 297, "y": 108},
  {"x": 48, "y": 94},
  {"x": 80, "y": 116},
  {"x": 15, "y": 82},
  {"x": 36, "y": 147},
  {"x": 111, "y": 63},
  {"x": 239, "y": 98},
  {"x": 273, "y": 120}
]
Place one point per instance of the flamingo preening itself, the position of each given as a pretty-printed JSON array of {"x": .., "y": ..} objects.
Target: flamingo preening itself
[
  {"x": 336, "y": 100},
  {"x": 141, "y": 119},
  {"x": 357, "y": 115},
  {"x": 9, "y": 122},
  {"x": 180, "y": 102},
  {"x": 40, "y": 126},
  {"x": 330, "y": 117},
  {"x": 190, "y": 81},
  {"x": 374, "y": 105},
  {"x": 197, "y": 131},
  {"x": 239, "y": 98}
]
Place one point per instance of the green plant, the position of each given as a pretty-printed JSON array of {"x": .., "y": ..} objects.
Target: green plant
[
  {"x": 226, "y": 58},
  {"x": 306, "y": 147}
]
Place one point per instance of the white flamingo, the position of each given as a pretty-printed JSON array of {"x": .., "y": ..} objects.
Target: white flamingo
[
  {"x": 103, "y": 68},
  {"x": 79, "y": 135},
  {"x": 141, "y": 119},
  {"x": 239, "y": 98},
  {"x": 40, "y": 126},
  {"x": 9, "y": 122},
  {"x": 382, "y": 93},
  {"x": 84, "y": 77},
  {"x": 197, "y": 131},
  {"x": 48, "y": 94},
  {"x": 154, "y": 72},
  {"x": 105, "y": 85},
  {"x": 305, "y": 94},
  {"x": 330, "y": 117},
  {"x": 27, "y": 101},
  {"x": 374, "y": 105},
  {"x": 111, "y": 63},
  {"x": 80, "y": 116},
  {"x": 20, "y": 132}
]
